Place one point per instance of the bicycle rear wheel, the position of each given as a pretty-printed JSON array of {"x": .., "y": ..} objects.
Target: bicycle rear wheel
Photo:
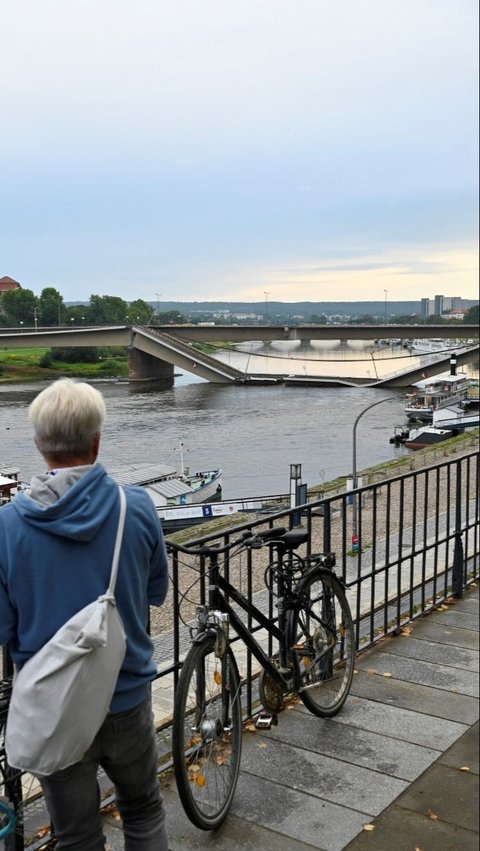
[
  {"x": 322, "y": 641},
  {"x": 207, "y": 734}
]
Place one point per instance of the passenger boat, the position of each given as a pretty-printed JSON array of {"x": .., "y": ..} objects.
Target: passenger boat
[
  {"x": 435, "y": 393},
  {"x": 434, "y": 345},
  {"x": 168, "y": 487}
]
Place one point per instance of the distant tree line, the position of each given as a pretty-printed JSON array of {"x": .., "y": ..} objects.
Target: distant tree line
[{"x": 21, "y": 307}]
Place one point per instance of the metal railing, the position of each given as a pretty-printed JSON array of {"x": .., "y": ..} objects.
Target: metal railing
[
  {"x": 402, "y": 544},
  {"x": 416, "y": 542}
]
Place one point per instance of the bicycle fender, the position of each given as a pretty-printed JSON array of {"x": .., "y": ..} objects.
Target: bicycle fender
[{"x": 204, "y": 635}]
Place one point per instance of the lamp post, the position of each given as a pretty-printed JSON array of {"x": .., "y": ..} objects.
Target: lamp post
[
  {"x": 386, "y": 294},
  {"x": 355, "y": 541},
  {"x": 35, "y": 318},
  {"x": 158, "y": 305},
  {"x": 267, "y": 293}
]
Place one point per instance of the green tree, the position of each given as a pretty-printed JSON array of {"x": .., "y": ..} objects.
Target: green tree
[
  {"x": 52, "y": 307},
  {"x": 472, "y": 316},
  {"x": 21, "y": 307},
  {"x": 139, "y": 312},
  {"x": 106, "y": 310}
]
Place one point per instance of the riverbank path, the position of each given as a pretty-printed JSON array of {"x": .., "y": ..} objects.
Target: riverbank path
[{"x": 397, "y": 769}]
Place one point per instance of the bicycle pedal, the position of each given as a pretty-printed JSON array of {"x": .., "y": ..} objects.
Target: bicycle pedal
[{"x": 264, "y": 721}]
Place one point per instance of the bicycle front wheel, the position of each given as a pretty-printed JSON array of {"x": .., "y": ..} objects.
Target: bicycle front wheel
[
  {"x": 207, "y": 734},
  {"x": 322, "y": 641}
]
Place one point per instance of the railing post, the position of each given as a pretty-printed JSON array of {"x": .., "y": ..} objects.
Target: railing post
[{"x": 458, "y": 555}]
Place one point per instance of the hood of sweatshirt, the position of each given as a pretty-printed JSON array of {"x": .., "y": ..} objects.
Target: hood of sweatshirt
[{"x": 74, "y": 503}]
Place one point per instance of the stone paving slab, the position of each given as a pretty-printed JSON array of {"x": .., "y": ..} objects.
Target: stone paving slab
[
  {"x": 296, "y": 815},
  {"x": 439, "y": 812},
  {"x": 402, "y": 830},
  {"x": 403, "y": 724},
  {"x": 452, "y": 616},
  {"x": 461, "y": 708},
  {"x": 236, "y": 833},
  {"x": 466, "y": 751},
  {"x": 431, "y": 795},
  {"x": 428, "y": 630},
  {"x": 322, "y": 777},
  {"x": 370, "y": 750},
  {"x": 429, "y": 651},
  {"x": 424, "y": 673}
]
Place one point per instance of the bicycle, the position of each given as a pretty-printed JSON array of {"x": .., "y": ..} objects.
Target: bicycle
[
  {"x": 315, "y": 659},
  {"x": 21, "y": 820}
]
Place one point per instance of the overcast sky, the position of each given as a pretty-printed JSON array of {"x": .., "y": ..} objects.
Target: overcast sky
[{"x": 220, "y": 149}]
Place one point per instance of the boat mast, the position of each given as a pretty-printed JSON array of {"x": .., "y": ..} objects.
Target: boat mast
[{"x": 182, "y": 467}]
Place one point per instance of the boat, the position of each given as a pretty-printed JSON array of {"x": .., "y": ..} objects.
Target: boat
[
  {"x": 420, "y": 438},
  {"x": 446, "y": 423},
  {"x": 184, "y": 516},
  {"x": 435, "y": 393},
  {"x": 434, "y": 345},
  {"x": 9, "y": 484},
  {"x": 168, "y": 486},
  {"x": 472, "y": 398}
]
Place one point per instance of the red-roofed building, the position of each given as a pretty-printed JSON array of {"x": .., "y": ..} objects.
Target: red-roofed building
[{"x": 7, "y": 283}]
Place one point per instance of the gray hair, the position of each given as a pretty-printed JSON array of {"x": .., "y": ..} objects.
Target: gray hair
[{"x": 66, "y": 416}]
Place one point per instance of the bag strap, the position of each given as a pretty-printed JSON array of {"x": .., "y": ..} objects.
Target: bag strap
[{"x": 118, "y": 541}]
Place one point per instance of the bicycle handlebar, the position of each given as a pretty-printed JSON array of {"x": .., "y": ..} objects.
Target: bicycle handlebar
[{"x": 248, "y": 539}]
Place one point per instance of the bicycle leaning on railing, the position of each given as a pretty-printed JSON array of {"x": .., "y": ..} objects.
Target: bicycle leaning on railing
[
  {"x": 8, "y": 780},
  {"x": 314, "y": 658}
]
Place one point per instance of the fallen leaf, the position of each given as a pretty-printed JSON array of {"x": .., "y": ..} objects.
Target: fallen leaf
[
  {"x": 417, "y": 848},
  {"x": 465, "y": 768},
  {"x": 369, "y": 827},
  {"x": 406, "y": 630},
  {"x": 387, "y": 674},
  {"x": 251, "y": 728},
  {"x": 371, "y": 671},
  {"x": 262, "y": 745},
  {"x": 432, "y": 815}
]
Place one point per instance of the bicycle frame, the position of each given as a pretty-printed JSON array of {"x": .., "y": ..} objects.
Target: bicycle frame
[{"x": 218, "y": 601}]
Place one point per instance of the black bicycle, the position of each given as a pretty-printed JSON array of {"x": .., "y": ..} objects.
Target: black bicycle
[{"x": 314, "y": 658}]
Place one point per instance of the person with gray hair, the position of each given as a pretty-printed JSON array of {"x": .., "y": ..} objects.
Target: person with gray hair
[{"x": 56, "y": 544}]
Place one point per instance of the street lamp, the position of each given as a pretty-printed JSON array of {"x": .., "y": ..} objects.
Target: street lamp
[
  {"x": 386, "y": 294},
  {"x": 354, "y": 464},
  {"x": 158, "y": 305},
  {"x": 267, "y": 293},
  {"x": 35, "y": 318}
]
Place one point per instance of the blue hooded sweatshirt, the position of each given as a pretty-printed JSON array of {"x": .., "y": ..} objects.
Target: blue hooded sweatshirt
[{"x": 56, "y": 558}]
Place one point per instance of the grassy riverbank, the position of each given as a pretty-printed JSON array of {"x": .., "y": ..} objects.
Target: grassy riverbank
[{"x": 24, "y": 365}]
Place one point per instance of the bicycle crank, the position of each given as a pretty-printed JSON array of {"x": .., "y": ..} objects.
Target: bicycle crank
[{"x": 270, "y": 694}]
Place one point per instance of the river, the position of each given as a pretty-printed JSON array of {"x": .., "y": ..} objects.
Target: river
[{"x": 252, "y": 433}]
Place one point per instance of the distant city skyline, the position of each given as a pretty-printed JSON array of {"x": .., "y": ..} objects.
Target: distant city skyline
[{"x": 299, "y": 150}]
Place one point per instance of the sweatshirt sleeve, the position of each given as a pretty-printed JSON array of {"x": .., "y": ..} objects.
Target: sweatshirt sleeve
[
  {"x": 158, "y": 580},
  {"x": 8, "y": 618}
]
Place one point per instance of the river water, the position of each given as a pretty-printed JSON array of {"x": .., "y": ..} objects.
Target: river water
[{"x": 252, "y": 433}]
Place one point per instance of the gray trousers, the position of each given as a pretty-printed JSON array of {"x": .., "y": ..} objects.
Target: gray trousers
[{"x": 125, "y": 748}]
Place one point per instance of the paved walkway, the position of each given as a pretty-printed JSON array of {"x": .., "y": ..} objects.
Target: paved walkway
[{"x": 397, "y": 770}]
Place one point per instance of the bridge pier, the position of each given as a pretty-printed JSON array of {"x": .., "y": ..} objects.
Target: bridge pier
[{"x": 142, "y": 366}]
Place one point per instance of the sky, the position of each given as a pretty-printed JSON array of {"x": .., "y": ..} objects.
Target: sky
[{"x": 317, "y": 150}]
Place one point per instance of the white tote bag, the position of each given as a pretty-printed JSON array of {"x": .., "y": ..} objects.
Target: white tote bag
[{"x": 61, "y": 696}]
